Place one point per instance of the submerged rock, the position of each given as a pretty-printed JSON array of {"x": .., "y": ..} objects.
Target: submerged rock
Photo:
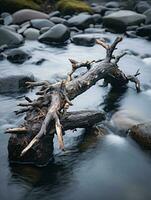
[
  {"x": 83, "y": 40},
  {"x": 141, "y": 133},
  {"x": 28, "y": 14},
  {"x": 14, "y": 83},
  {"x": 118, "y": 21},
  {"x": 18, "y": 56},
  {"x": 10, "y": 38},
  {"x": 81, "y": 21},
  {"x": 57, "y": 34}
]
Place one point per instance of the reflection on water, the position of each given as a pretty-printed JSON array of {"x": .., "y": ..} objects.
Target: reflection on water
[{"x": 109, "y": 167}]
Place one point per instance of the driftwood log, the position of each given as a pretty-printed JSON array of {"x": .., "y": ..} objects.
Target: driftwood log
[{"x": 32, "y": 142}]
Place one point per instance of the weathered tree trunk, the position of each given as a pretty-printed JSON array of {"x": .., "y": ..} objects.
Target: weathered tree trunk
[{"x": 47, "y": 114}]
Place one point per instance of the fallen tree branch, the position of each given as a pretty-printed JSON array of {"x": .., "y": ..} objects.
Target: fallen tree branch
[{"x": 55, "y": 98}]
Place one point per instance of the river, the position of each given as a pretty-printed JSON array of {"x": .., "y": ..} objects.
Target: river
[{"x": 110, "y": 167}]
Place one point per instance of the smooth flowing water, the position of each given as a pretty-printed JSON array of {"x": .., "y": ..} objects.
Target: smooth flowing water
[{"x": 109, "y": 167}]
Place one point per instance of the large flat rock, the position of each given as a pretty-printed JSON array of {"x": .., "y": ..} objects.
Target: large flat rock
[{"x": 118, "y": 21}]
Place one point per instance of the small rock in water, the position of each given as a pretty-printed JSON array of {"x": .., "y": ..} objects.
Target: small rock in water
[
  {"x": 57, "y": 34},
  {"x": 141, "y": 133},
  {"x": 55, "y": 14},
  {"x": 10, "y": 38},
  {"x": 31, "y": 34},
  {"x": 142, "y": 6},
  {"x": 148, "y": 16},
  {"x": 14, "y": 83},
  {"x": 41, "y": 23},
  {"x": 81, "y": 21},
  {"x": 17, "y": 56},
  {"x": 39, "y": 62},
  {"x": 144, "y": 31},
  {"x": 59, "y": 20},
  {"x": 8, "y": 19},
  {"x": 112, "y": 4},
  {"x": 83, "y": 40}
]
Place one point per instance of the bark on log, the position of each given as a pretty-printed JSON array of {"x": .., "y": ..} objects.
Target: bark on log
[
  {"x": 45, "y": 114},
  {"x": 42, "y": 153}
]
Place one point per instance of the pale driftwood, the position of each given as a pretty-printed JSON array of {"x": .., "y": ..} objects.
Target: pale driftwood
[{"x": 56, "y": 98}]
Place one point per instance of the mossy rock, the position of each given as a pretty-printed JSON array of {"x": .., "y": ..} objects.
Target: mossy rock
[
  {"x": 14, "y": 5},
  {"x": 72, "y": 6}
]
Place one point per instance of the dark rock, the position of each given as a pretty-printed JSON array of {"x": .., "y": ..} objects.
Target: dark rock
[
  {"x": 112, "y": 4},
  {"x": 83, "y": 40},
  {"x": 55, "y": 14},
  {"x": 59, "y": 20},
  {"x": 142, "y": 6},
  {"x": 97, "y": 18},
  {"x": 148, "y": 16},
  {"x": 26, "y": 15},
  {"x": 17, "y": 56},
  {"x": 1, "y": 21},
  {"x": 14, "y": 83},
  {"x": 10, "y": 38},
  {"x": 141, "y": 133},
  {"x": 57, "y": 34},
  {"x": 31, "y": 34},
  {"x": 144, "y": 31},
  {"x": 118, "y": 21},
  {"x": 41, "y": 23},
  {"x": 2, "y": 57},
  {"x": 39, "y": 62},
  {"x": 81, "y": 21}
]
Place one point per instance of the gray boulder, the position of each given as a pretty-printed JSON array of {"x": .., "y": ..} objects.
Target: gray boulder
[
  {"x": 57, "y": 34},
  {"x": 41, "y": 23},
  {"x": 83, "y": 40},
  {"x": 11, "y": 39},
  {"x": 81, "y": 21},
  {"x": 148, "y": 16},
  {"x": 18, "y": 56},
  {"x": 112, "y": 4},
  {"x": 118, "y": 21},
  {"x": 144, "y": 31},
  {"x": 31, "y": 34},
  {"x": 14, "y": 83},
  {"x": 59, "y": 20},
  {"x": 142, "y": 6},
  {"x": 97, "y": 18},
  {"x": 27, "y": 14},
  {"x": 55, "y": 14}
]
